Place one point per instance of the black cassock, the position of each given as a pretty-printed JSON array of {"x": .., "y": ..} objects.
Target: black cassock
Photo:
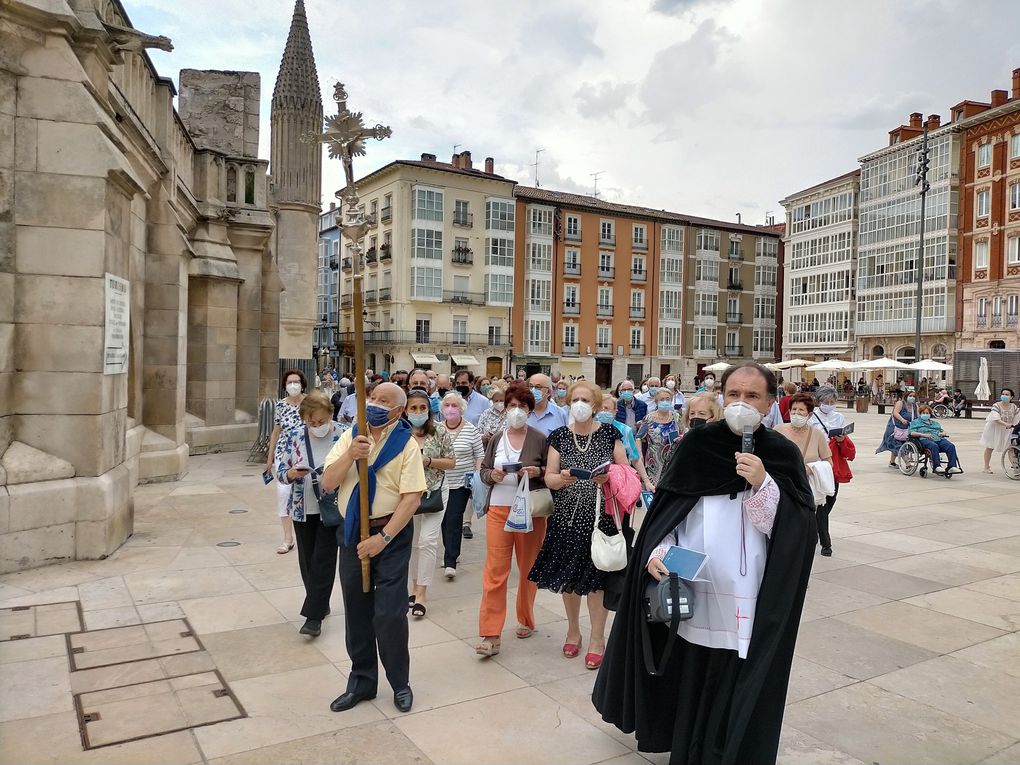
[{"x": 710, "y": 706}]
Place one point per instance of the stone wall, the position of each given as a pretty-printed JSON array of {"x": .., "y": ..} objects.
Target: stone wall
[{"x": 221, "y": 110}]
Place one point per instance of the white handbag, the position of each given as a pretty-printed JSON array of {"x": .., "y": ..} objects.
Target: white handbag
[{"x": 608, "y": 553}]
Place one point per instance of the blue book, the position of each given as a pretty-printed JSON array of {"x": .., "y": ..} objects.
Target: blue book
[{"x": 686, "y": 564}]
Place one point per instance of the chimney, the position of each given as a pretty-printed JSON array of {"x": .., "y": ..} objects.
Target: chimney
[
  {"x": 1016, "y": 83},
  {"x": 999, "y": 97},
  {"x": 490, "y": 162},
  {"x": 332, "y": 205},
  {"x": 465, "y": 161},
  {"x": 934, "y": 121},
  {"x": 428, "y": 157},
  {"x": 915, "y": 120},
  {"x": 455, "y": 160}
]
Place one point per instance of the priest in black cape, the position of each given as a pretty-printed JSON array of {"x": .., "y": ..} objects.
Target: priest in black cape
[{"x": 718, "y": 705}]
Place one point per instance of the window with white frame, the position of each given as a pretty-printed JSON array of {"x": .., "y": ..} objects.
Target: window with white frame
[
  {"x": 573, "y": 228},
  {"x": 499, "y": 252},
  {"x": 832, "y": 287},
  {"x": 708, "y": 239},
  {"x": 426, "y": 282},
  {"x": 604, "y": 337},
  {"x": 387, "y": 279},
  {"x": 637, "y": 298},
  {"x": 460, "y": 212},
  {"x": 539, "y": 257},
  {"x": 706, "y": 270},
  {"x": 997, "y": 307},
  {"x": 495, "y": 331},
  {"x": 499, "y": 215},
  {"x": 1013, "y": 250},
  {"x": 706, "y": 304},
  {"x": 640, "y": 235},
  {"x": 705, "y": 339},
  {"x": 538, "y": 335},
  {"x": 637, "y": 265},
  {"x": 637, "y": 339},
  {"x": 606, "y": 262},
  {"x": 460, "y": 329},
  {"x": 569, "y": 335},
  {"x": 605, "y": 297},
  {"x": 1014, "y": 143},
  {"x": 984, "y": 155},
  {"x": 1014, "y": 196},
  {"x": 732, "y": 341},
  {"x": 982, "y": 307},
  {"x": 428, "y": 204},
  {"x": 499, "y": 288},
  {"x": 764, "y": 341},
  {"x": 672, "y": 238},
  {"x": 767, "y": 248},
  {"x": 540, "y": 221},
  {"x": 981, "y": 254},
  {"x": 765, "y": 307},
  {"x": 423, "y": 328},
  {"x": 669, "y": 304},
  {"x": 732, "y": 306},
  {"x": 426, "y": 244},
  {"x": 765, "y": 275},
  {"x": 821, "y": 251},
  {"x": 570, "y": 295},
  {"x": 572, "y": 260},
  {"x": 982, "y": 202},
  {"x": 670, "y": 270},
  {"x": 820, "y": 327},
  {"x": 539, "y": 295},
  {"x": 1012, "y": 303},
  {"x": 606, "y": 232},
  {"x": 669, "y": 341}
]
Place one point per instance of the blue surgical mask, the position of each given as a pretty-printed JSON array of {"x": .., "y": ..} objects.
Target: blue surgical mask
[
  {"x": 418, "y": 419},
  {"x": 627, "y": 395},
  {"x": 606, "y": 418},
  {"x": 537, "y": 393},
  {"x": 665, "y": 406},
  {"x": 911, "y": 399},
  {"x": 561, "y": 392},
  {"x": 925, "y": 416},
  {"x": 377, "y": 414},
  {"x": 1004, "y": 398},
  {"x": 434, "y": 404},
  {"x": 653, "y": 389}
]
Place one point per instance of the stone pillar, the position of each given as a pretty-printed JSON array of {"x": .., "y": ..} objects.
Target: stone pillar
[
  {"x": 212, "y": 348},
  {"x": 269, "y": 357},
  {"x": 249, "y": 320},
  {"x": 297, "y": 245}
]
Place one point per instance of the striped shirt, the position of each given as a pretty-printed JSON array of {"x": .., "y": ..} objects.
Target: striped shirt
[{"x": 467, "y": 450}]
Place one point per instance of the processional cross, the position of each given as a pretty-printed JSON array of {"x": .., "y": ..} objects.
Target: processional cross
[{"x": 345, "y": 134}]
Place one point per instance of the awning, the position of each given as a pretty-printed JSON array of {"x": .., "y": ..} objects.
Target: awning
[
  {"x": 424, "y": 358},
  {"x": 465, "y": 361}
]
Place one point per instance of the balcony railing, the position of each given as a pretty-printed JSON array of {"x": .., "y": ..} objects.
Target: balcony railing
[
  {"x": 1011, "y": 319},
  {"x": 603, "y": 348},
  {"x": 345, "y": 301},
  {"x": 611, "y": 239},
  {"x": 637, "y": 312},
  {"x": 385, "y": 294},
  {"x": 670, "y": 313},
  {"x": 334, "y": 264},
  {"x": 606, "y": 272},
  {"x": 734, "y": 350},
  {"x": 736, "y": 286},
  {"x": 438, "y": 339},
  {"x": 643, "y": 245},
  {"x": 572, "y": 269},
  {"x": 463, "y": 219},
  {"x": 570, "y": 349},
  {"x": 463, "y": 256},
  {"x": 386, "y": 252},
  {"x": 457, "y": 296},
  {"x": 638, "y": 276},
  {"x": 347, "y": 264},
  {"x": 637, "y": 350},
  {"x": 372, "y": 256},
  {"x": 737, "y": 254},
  {"x": 573, "y": 236},
  {"x": 571, "y": 309},
  {"x": 982, "y": 320},
  {"x": 734, "y": 318},
  {"x": 604, "y": 310},
  {"x": 371, "y": 296},
  {"x": 387, "y": 214},
  {"x": 669, "y": 350},
  {"x": 996, "y": 319}
]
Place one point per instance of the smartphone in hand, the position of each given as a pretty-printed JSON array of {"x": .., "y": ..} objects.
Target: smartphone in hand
[{"x": 267, "y": 477}]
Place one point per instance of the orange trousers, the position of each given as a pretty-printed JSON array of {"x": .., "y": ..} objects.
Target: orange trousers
[{"x": 500, "y": 547}]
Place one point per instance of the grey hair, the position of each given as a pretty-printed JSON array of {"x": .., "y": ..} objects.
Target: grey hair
[
  {"x": 825, "y": 392},
  {"x": 453, "y": 397}
]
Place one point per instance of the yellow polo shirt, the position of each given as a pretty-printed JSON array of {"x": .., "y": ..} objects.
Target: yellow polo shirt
[{"x": 403, "y": 474}]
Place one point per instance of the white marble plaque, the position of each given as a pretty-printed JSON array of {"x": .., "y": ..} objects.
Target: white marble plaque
[{"x": 118, "y": 317}]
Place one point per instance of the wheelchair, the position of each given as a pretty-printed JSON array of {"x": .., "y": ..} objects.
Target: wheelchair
[
  {"x": 913, "y": 458},
  {"x": 941, "y": 411},
  {"x": 1011, "y": 456}
]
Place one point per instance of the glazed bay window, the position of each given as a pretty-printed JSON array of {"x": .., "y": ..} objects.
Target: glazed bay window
[
  {"x": 539, "y": 295},
  {"x": 984, "y": 155},
  {"x": 499, "y": 215},
  {"x": 982, "y": 203},
  {"x": 670, "y": 270},
  {"x": 672, "y": 238},
  {"x": 706, "y": 271},
  {"x": 537, "y": 332},
  {"x": 426, "y": 283},
  {"x": 708, "y": 240},
  {"x": 981, "y": 255},
  {"x": 704, "y": 340},
  {"x": 499, "y": 289},
  {"x": 539, "y": 257},
  {"x": 426, "y": 244},
  {"x": 540, "y": 221},
  {"x": 669, "y": 304},
  {"x": 499, "y": 252},
  {"x": 428, "y": 204},
  {"x": 706, "y": 304},
  {"x": 765, "y": 307},
  {"x": 669, "y": 341}
]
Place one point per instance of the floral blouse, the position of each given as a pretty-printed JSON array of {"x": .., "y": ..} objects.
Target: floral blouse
[
  {"x": 492, "y": 423},
  {"x": 437, "y": 446},
  {"x": 290, "y": 451},
  {"x": 287, "y": 417},
  {"x": 659, "y": 439}
]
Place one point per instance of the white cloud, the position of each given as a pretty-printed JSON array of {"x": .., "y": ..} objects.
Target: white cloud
[{"x": 704, "y": 106}]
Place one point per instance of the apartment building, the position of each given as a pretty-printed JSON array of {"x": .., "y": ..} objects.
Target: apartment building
[
  {"x": 614, "y": 291},
  {"x": 989, "y": 236},
  {"x": 819, "y": 274},
  {"x": 328, "y": 288},
  {"x": 438, "y": 267},
  {"x": 887, "y": 246}
]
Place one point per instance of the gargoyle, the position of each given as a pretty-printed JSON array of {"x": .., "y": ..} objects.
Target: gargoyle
[{"x": 128, "y": 39}]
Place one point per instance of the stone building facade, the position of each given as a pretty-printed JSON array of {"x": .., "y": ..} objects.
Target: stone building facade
[{"x": 114, "y": 206}]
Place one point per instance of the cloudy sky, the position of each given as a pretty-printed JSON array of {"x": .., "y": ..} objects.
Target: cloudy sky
[{"x": 710, "y": 107}]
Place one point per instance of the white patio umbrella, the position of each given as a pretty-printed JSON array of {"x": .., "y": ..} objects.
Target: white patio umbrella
[
  {"x": 982, "y": 392},
  {"x": 791, "y": 363},
  {"x": 929, "y": 365},
  {"x": 882, "y": 363},
  {"x": 832, "y": 365},
  {"x": 719, "y": 366}
]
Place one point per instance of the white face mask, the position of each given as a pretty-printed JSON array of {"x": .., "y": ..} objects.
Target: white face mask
[
  {"x": 739, "y": 414},
  {"x": 827, "y": 408},
  {"x": 798, "y": 420},
  {"x": 516, "y": 417},
  {"x": 581, "y": 411},
  {"x": 671, "y": 384},
  {"x": 498, "y": 406},
  {"x": 294, "y": 389},
  {"x": 709, "y": 383},
  {"x": 322, "y": 430},
  {"x": 644, "y": 388}
]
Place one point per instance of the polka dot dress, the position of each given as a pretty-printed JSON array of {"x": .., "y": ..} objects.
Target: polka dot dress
[{"x": 564, "y": 563}]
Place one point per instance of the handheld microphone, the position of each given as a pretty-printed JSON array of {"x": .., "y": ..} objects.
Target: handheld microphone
[{"x": 747, "y": 440}]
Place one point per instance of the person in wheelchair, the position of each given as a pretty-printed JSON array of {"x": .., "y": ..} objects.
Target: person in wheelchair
[{"x": 932, "y": 438}]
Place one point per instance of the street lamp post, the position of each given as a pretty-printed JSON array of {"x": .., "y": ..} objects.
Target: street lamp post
[{"x": 921, "y": 178}]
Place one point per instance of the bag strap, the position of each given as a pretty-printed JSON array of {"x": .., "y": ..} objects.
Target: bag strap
[
  {"x": 316, "y": 489},
  {"x": 674, "y": 624}
]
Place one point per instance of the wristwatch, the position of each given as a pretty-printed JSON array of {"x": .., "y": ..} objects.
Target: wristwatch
[{"x": 386, "y": 538}]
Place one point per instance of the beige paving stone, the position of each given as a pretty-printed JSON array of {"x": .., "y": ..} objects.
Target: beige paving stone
[
  {"x": 155, "y": 587},
  {"x": 17, "y": 623},
  {"x": 901, "y": 543},
  {"x": 931, "y": 630},
  {"x": 855, "y": 651},
  {"x": 197, "y": 557},
  {"x": 50, "y": 646},
  {"x": 983, "y": 560},
  {"x": 977, "y": 606},
  {"x": 986, "y": 697},
  {"x": 104, "y": 618},
  {"x": 110, "y": 592},
  {"x": 282, "y": 571},
  {"x": 223, "y": 613},
  {"x": 1007, "y": 545},
  {"x": 285, "y": 706},
  {"x": 936, "y": 567},
  {"x": 132, "y": 559},
  {"x": 964, "y": 532},
  {"x": 146, "y": 670},
  {"x": 262, "y": 650},
  {"x": 459, "y": 615},
  {"x": 860, "y": 552},
  {"x": 856, "y": 720},
  {"x": 808, "y": 679},
  {"x": 538, "y": 658},
  {"x": 56, "y": 618},
  {"x": 796, "y": 748},
  {"x": 376, "y": 743},
  {"x": 827, "y": 599},
  {"x": 1008, "y": 756},
  {"x": 1001, "y": 654},
  {"x": 60, "y": 595},
  {"x": 1002, "y": 586},
  {"x": 554, "y": 733},
  {"x": 34, "y": 688},
  {"x": 881, "y": 582},
  {"x": 288, "y": 600},
  {"x": 158, "y": 612}
]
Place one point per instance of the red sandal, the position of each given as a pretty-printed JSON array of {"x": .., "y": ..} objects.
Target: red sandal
[
  {"x": 593, "y": 660},
  {"x": 572, "y": 650}
]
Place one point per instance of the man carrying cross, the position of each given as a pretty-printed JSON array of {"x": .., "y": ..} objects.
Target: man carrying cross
[{"x": 377, "y": 618}]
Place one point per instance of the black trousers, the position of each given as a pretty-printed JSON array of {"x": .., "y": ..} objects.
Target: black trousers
[
  {"x": 822, "y": 519},
  {"x": 317, "y": 552},
  {"x": 453, "y": 525},
  {"x": 376, "y": 621}
]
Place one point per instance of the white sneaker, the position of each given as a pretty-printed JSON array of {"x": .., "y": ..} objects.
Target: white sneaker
[{"x": 451, "y": 573}]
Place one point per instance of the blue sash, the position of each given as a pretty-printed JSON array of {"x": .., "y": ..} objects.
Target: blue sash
[{"x": 395, "y": 443}]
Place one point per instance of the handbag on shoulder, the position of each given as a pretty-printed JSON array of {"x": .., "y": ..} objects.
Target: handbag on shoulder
[
  {"x": 329, "y": 512},
  {"x": 431, "y": 501},
  {"x": 608, "y": 553}
]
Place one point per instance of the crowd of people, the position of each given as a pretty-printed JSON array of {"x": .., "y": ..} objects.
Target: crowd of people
[{"x": 552, "y": 466}]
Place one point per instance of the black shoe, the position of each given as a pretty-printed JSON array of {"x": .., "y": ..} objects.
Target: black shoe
[
  {"x": 311, "y": 627},
  {"x": 349, "y": 700},
  {"x": 827, "y": 552},
  {"x": 403, "y": 700},
  {"x": 467, "y": 532}
]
